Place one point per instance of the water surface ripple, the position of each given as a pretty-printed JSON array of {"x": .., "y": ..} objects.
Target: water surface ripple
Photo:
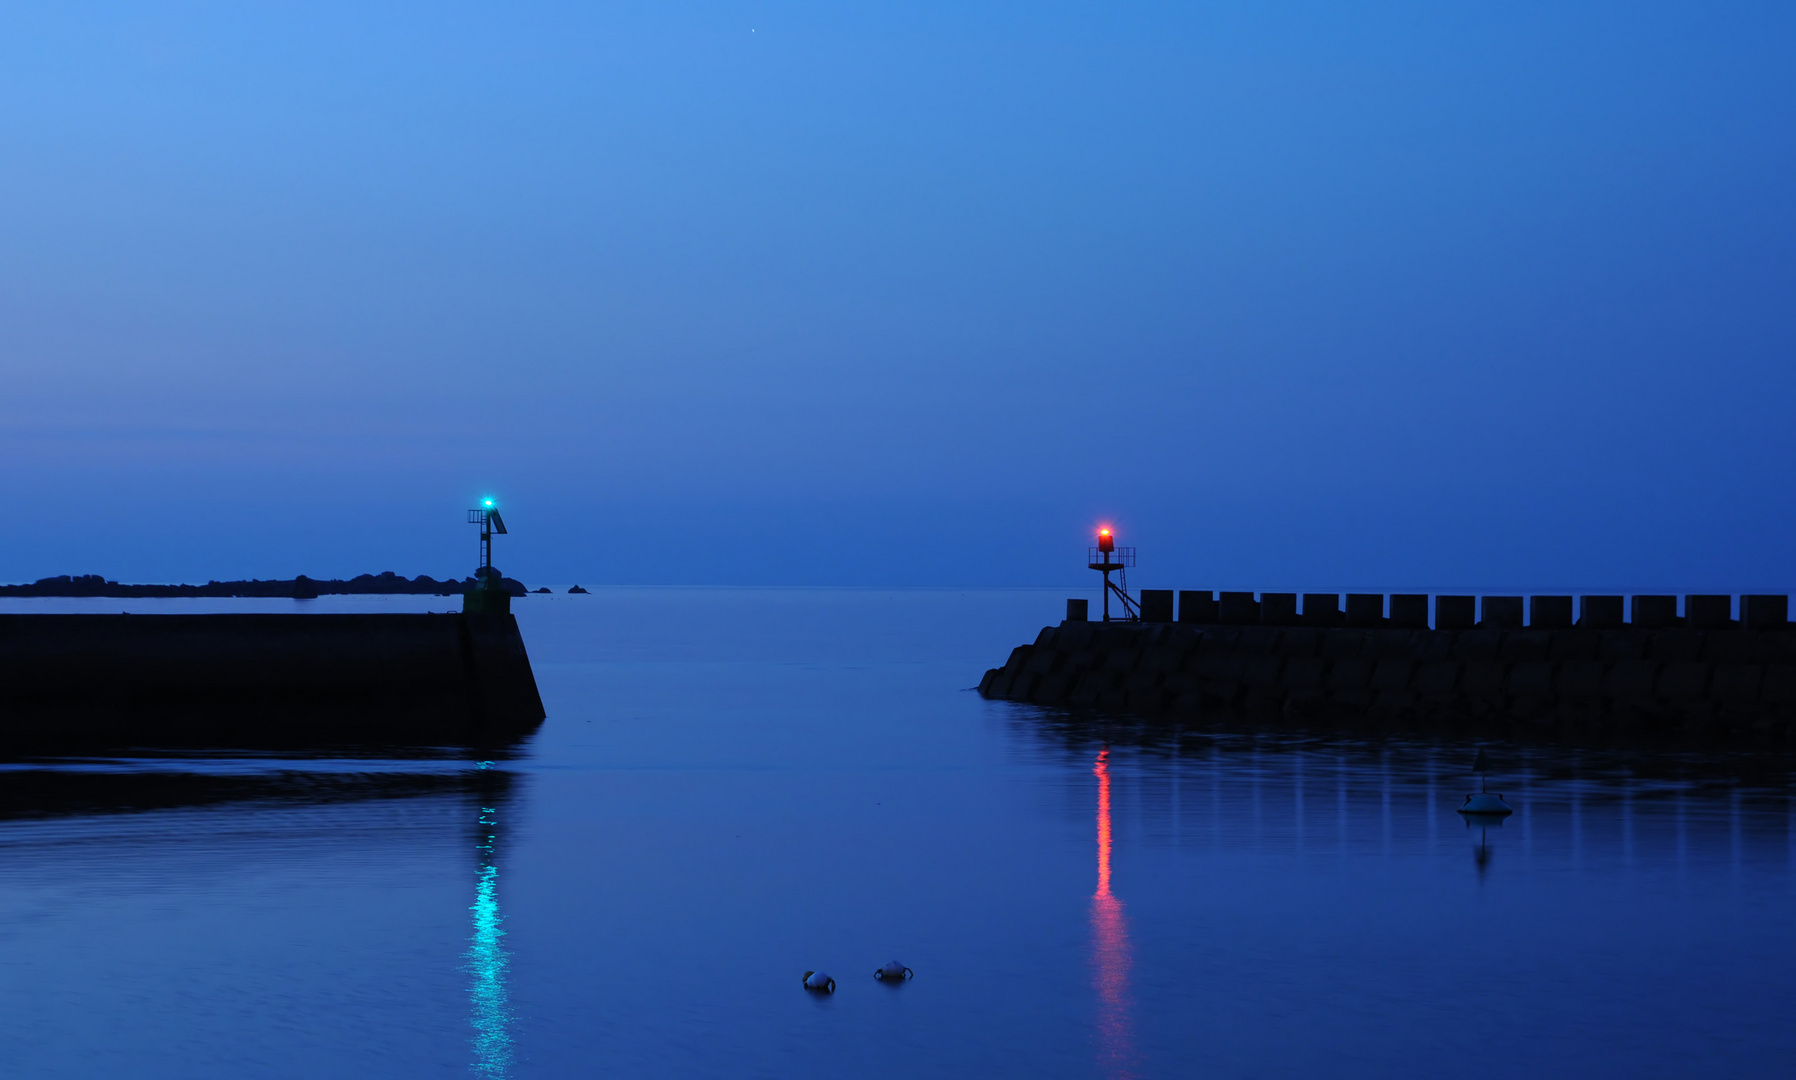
[{"x": 735, "y": 786}]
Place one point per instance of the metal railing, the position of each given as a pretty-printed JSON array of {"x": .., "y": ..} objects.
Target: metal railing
[{"x": 1121, "y": 558}]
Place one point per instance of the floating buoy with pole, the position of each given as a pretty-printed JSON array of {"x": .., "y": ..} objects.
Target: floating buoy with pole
[{"x": 1484, "y": 803}]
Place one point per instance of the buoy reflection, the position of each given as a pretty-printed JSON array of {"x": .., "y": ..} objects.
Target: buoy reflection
[
  {"x": 1110, "y": 952},
  {"x": 487, "y": 959}
]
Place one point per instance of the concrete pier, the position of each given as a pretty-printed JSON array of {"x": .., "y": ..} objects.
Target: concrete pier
[
  {"x": 233, "y": 679},
  {"x": 1703, "y": 673}
]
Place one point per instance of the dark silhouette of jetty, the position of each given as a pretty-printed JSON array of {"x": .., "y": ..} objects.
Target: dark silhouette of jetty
[
  {"x": 264, "y": 680},
  {"x": 301, "y": 587},
  {"x": 1477, "y": 666},
  {"x": 229, "y": 679}
]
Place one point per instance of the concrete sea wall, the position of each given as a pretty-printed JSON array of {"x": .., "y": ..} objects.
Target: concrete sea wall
[
  {"x": 243, "y": 679},
  {"x": 1701, "y": 673}
]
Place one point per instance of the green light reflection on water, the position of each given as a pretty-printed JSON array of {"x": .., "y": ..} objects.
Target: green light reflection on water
[{"x": 487, "y": 961}]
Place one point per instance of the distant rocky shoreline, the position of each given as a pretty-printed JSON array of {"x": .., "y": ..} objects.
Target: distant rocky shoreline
[{"x": 299, "y": 588}]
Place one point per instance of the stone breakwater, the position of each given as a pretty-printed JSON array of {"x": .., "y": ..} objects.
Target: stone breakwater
[{"x": 1657, "y": 675}]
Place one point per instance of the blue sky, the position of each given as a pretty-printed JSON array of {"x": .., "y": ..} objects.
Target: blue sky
[{"x": 1299, "y": 295}]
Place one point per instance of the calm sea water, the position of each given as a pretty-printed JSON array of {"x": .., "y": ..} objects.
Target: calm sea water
[{"x": 735, "y": 786}]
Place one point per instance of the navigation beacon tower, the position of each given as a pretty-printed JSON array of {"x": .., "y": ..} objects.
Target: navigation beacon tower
[
  {"x": 486, "y": 515},
  {"x": 488, "y": 596},
  {"x": 1118, "y": 560}
]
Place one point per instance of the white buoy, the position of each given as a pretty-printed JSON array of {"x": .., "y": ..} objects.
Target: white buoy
[
  {"x": 894, "y": 970},
  {"x": 820, "y": 982}
]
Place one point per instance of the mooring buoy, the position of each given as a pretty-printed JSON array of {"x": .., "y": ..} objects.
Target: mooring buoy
[
  {"x": 1486, "y": 803},
  {"x": 894, "y": 970},
  {"x": 1483, "y": 803},
  {"x": 820, "y": 982}
]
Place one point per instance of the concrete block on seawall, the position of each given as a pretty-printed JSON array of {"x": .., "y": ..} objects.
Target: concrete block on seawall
[
  {"x": 1278, "y": 609},
  {"x": 1764, "y": 611},
  {"x": 1550, "y": 612},
  {"x": 1321, "y": 609},
  {"x": 1653, "y": 612},
  {"x": 1601, "y": 612},
  {"x": 1501, "y": 613},
  {"x": 1238, "y": 608},
  {"x": 1708, "y": 612},
  {"x": 1197, "y": 607},
  {"x": 1365, "y": 609},
  {"x": 1410, "y": 610},
  {"x": 1156, "y": 605},
  {"x": 1078, "y": 610},
  {"x": 1455, "y": 612}
]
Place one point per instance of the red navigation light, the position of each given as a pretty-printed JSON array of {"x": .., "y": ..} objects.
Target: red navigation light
[{"x": 1106, "y": 542}]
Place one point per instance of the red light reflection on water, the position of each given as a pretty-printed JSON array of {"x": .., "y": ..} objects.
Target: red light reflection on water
[{"x": 1111, "y": 954}]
